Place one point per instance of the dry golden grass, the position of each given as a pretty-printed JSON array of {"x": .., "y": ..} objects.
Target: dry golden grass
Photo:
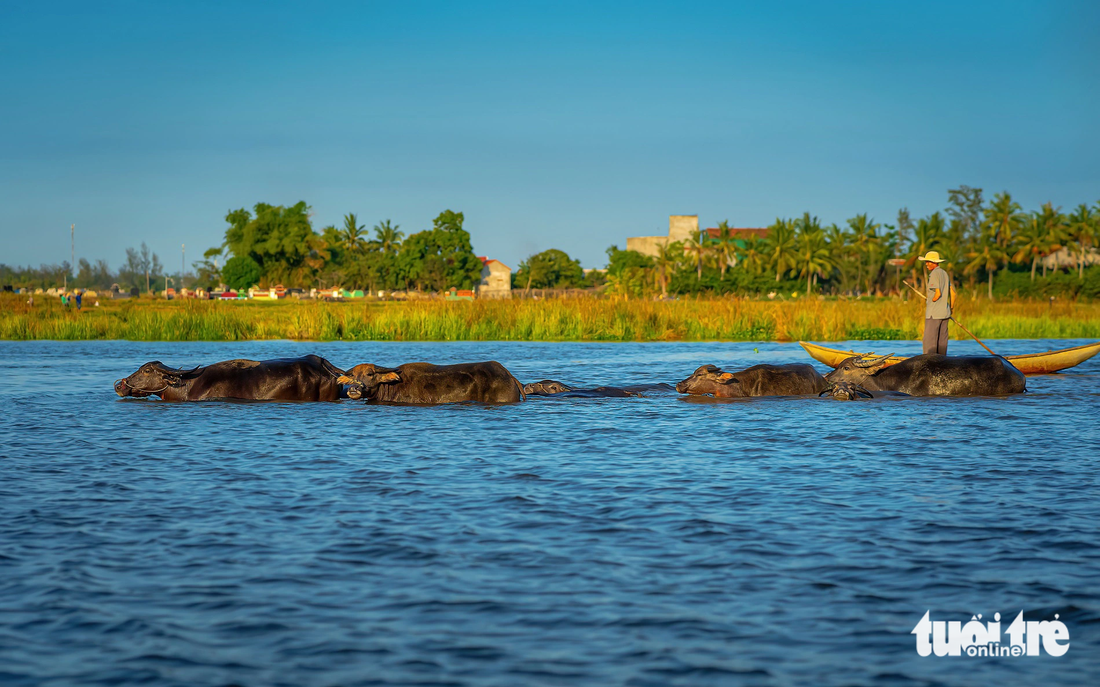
[{"x": 581, "y": 319}]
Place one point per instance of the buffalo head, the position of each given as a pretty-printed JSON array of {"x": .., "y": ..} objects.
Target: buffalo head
[
  {"x": 846, "y": 391},
  {"x": 151, "y": 378},
  {"x": 545, "y": 387},
  {"x": 857, "y": 369},
  {"x": 363, "y": 380},
  {"x": 709, "y": 379}
]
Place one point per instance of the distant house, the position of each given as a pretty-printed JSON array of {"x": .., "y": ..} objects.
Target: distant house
[
  {"x": 496, "y": 279},
  {"x": 683, "y": 227}
]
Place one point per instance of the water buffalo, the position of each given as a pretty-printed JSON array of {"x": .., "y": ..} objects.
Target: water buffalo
[
  {"x": 309, "y": 378},
  {"x": 933, "y": 375},
  {"x": 549, "y": 387},
  {"x": 850, "y": 391},
  {"x": 424, "y": 383},
  {"x": 795, "y": 379}
]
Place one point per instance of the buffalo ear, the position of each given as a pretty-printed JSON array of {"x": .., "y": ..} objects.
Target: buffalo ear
[
  {"x": 726, "y": 378},
  {"x": 388, "y": 377}
]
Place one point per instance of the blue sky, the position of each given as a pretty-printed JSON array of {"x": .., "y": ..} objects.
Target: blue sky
[{"x": 558, "y": 124}]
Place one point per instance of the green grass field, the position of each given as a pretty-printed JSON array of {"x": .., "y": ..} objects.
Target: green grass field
[{"x": 582, "y": 319}]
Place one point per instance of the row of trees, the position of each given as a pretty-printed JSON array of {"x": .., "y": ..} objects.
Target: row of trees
[
  {"x": 277, "y": 245},
  {"x": 978, "y": 240},
  {"x": 141, "y": 270}
]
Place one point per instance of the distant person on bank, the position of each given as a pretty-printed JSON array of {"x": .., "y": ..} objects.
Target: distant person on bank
[{"x": 938, "y": 304}]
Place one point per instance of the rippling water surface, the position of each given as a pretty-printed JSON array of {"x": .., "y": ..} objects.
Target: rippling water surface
[{"x": 641, "y": 541}]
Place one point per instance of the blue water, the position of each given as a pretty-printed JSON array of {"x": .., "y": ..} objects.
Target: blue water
[{"x": 639, "y": 541}]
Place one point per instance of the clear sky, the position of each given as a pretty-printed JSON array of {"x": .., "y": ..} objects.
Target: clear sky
[{"x": 569, "y": 125}]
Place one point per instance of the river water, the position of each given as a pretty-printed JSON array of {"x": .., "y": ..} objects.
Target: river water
[{"x": 641, "y": 541}]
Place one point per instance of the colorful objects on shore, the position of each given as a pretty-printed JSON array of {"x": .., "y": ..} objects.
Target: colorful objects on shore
[{"x": 1046, "y": 362}]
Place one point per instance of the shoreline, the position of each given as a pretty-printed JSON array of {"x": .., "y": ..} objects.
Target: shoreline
[{"x": 578, "y": 319}]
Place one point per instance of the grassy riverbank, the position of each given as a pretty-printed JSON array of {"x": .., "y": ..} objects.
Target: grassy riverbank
[{"x": 586, "y": 319}]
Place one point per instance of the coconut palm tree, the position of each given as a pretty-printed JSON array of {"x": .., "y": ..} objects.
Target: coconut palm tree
[
  {"x": 863, "y": 238},
  {"x": 1083, "y": 228},
  {"x": 699, "y": 250},
  {"x": 779, "y": 246},
  {"x": 1054, "y": 230},
  {"x": 927, "y": 235},
  {"x": 1030, "y": 242},
  {"x": 1003, "y": 219},
  {"x": 989, "y": 256},
  {"x": 754, "y": 257},
  {"x": 351, "y": 236},
  {"x": 387, "y": 237},
  {"x": 725, "y": 249},
  {"x": 811, "y": 252},
  {"x": 837, "y": 239},
  {"x": 669, "y": 255}
]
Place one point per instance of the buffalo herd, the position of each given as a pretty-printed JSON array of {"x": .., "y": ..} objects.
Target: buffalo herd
[{"x": 312, "y": 378}]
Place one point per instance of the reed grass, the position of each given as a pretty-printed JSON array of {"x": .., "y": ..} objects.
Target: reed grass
[{"x": 582, "y": 319}]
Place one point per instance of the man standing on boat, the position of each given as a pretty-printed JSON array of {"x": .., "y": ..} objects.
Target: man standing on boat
[{"x": 937, "y": 308}]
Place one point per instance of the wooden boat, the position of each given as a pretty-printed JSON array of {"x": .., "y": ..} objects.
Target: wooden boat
[{"x": 1029, "y": 364}]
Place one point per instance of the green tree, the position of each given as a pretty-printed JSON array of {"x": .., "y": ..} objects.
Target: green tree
[
  {"x": 864, "y": 239},
  {"x": 725, "y": 248},
  {"x": 619, "y": 260},
  {"x": 1083, "y": 228},
  {"x": 241, "y": 272},
  {"x": 387, "y": 236},
  {"x": 988, "y": 256},
  {"x": 779, "y": 246},
  {"x": 279, "y": 239},
  {"x": 669, "y": 255},
  {"x": 697, "y": 248},
  {"x": 550, "y": 269},
  {"x": 352, "y": 235},
  {"x": 1031, "y": 242},
  {"x": 441, "y": 257},
  {"x": 927, "y": 235},
  {"x": 811, "y": 257},
  {"x": 1054, "y": 230}
]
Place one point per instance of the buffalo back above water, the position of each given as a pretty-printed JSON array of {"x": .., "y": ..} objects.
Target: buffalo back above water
[
  {"x": 795, "y": 379},
  {"x": 934, "y": 375},
  {"x": 425, "y": 383},
  {"x": 309, "y": 378}
]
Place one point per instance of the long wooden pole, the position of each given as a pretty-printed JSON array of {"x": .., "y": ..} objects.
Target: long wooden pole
[{"x": 955, "y": 321}]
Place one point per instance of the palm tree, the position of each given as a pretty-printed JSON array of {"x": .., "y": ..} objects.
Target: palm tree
[
  {"x": 1083, "y": 229},
  {"x": 837, "y": 240},
  {"x": 927, "y": 235},
  {"x": 668, "y": 256},
  {"x": 725, "y": 249},
  {"x": 811, "y": 252},
  {"x": 1054, "y": 230},
  {"x": 696, "y": 247},
  {"x": 351, "y": 236},
  {"x": 754, "y": 256},
  {"x": 779, "y": 246},
  {"x": 989, "y": 256},
  {"x": 1031, "y": 242},
  {"x": 1003, "y": 219},
  {"x": 387, "y": 237},
  {"x": 864, "y": 239}
]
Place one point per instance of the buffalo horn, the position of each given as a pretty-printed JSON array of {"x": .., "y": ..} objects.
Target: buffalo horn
[{"x": 873, "y": 361}]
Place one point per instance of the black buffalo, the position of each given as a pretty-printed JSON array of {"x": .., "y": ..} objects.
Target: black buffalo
[
  {"x": 795, "y": 379},
  {"x": 549, "y": 387},
  {"x": 933, "y": 375},
  {"x": 309, "y": 378},
  {"x": 424, "y": 383},
  {"x": 850, "y": 391}
]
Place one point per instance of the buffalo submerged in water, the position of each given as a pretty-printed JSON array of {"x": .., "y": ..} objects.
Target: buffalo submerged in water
[
  {"x": 309, "y": 378},
  {"x": 933, "y": 375},
  {"x": 795, "y": 379},
  {"x": 556, "y": 389},
  {"x": 424, "y": 383}
]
